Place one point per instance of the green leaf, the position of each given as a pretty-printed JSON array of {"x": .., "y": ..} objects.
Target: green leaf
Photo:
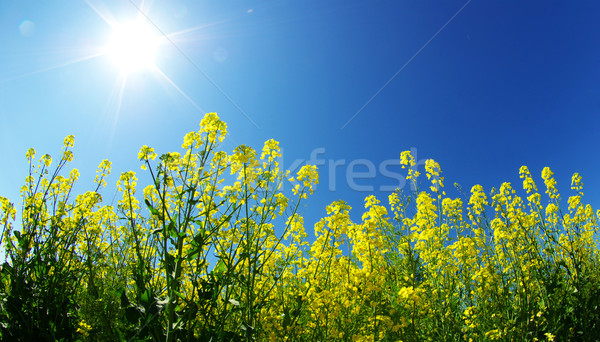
[
  {"x": 146, "y": 297},
  {"x": 220, "y": 268},
  {"x": 171, "y": 230},
  {"x": 199, "y": 238},
  {"x": 151, "y": 208},
  {"x": 192, "y": 254}
]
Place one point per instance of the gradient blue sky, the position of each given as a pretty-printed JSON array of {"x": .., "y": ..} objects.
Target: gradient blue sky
[{"x": 503, "y": 84}]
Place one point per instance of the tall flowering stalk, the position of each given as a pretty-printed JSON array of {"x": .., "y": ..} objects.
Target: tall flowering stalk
[{"x": 213, "y": 249}]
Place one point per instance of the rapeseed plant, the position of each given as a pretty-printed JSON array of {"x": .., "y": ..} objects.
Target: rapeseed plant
[{"x": 213, "y": 249}]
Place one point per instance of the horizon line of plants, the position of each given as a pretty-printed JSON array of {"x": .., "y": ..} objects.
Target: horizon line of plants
[{"x": 213, "y": 250}]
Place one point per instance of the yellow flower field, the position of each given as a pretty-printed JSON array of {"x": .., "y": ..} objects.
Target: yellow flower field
[{"x": 214, "y": 250}]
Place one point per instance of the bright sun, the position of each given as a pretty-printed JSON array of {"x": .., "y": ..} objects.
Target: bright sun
[{"x": 132, "y": 46}]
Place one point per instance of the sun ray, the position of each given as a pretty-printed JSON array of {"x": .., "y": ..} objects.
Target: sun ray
[
  {"x": 120, "y": 98},
  {"x": 189, "y": 99},
  {"x": 179, "y": 90},
  {"x": 195, "y": 28},
  {"x": 62, "y": 65},
  {"x": 120, "y": 83},
  {"x": 107, "y": 17},
  {"x": 137, "y": 50}
]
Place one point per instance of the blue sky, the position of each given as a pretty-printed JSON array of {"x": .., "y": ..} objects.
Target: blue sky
[{"x": 482, "y": 87}]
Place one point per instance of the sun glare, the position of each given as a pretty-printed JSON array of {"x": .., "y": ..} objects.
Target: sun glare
[{"x": 133, "y": 46}]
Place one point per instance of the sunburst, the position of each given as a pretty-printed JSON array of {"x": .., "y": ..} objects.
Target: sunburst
[{"x": 133, "y": 46}]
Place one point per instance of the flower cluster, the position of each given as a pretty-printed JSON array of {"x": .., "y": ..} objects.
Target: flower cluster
[{"x": 213, "y": 249}]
